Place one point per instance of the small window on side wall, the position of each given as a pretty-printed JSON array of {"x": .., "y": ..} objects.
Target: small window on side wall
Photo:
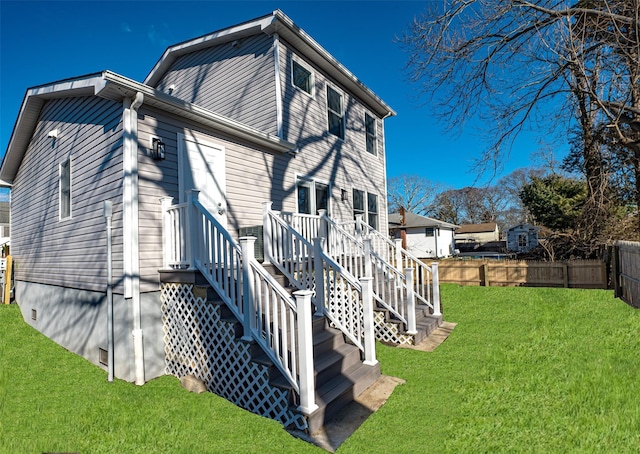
[
  {"x": 370, "y": 130},
  {"x": 65, "y": 189},
  {"x": 302, "y": 78},
  {"x": 429, "y": 231},
  {"x": 335, "y": 113}
]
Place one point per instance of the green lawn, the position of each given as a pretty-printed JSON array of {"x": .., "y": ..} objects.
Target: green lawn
[{"x": 525, "y": 370}]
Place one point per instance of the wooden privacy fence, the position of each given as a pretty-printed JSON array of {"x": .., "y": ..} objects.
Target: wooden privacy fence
[
  {"x": 626, "y": 271},
  {"x": 528, "y": 273}
]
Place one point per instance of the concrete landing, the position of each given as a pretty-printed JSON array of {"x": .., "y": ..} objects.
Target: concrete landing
[
  {"x": 345, "y": 423},
  {"x": 434, "y": 339}
]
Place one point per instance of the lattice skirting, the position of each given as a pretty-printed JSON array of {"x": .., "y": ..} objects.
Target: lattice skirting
[
  {"x": 199, "y": 343},
  {"x": 389, "y": 332}
]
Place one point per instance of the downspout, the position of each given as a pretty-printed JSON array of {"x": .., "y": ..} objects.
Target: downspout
[
  {"x": 278, "y": 81},
  {"x": 130, "y": 227}
]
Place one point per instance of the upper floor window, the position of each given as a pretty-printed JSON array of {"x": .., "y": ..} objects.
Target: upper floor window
[
  {"x": 302, "y": 78},
  {"x": 370, "y": 130},
  {"x": 335, "y": 113},
  {"x": 65, "y": 189}
]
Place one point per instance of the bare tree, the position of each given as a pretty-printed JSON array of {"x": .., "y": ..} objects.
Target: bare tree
[
  {"x": 413, "y": 192},
  {"x": 545, "y": 65}
]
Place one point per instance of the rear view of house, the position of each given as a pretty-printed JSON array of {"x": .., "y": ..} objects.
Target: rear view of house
[{"x": 253, "y": 130}]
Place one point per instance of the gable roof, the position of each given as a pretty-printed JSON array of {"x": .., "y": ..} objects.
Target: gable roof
[
  {"x": 478, "y": 228},
  {"x": 113, "y": 86},
  {"x": 413, "y": 220},
  {"x": 280, "y": 23}
]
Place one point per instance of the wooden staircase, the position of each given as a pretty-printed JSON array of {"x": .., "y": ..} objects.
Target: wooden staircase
[{"x": 340, "y": 374}]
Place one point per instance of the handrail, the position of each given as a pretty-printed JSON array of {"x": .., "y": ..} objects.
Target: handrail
[
  {"x": 389, "y": 283},
  {"x": 270, "y": 316},
  {"x": 424, "y": 275},
  {"x": 341, "y": 296}
]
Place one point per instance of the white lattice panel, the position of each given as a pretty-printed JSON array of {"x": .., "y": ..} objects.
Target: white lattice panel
[
  {"x": 389, "y": 332},
  {"x": 198, "y": 342}
]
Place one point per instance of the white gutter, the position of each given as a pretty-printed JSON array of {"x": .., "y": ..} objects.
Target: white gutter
[
  {"x": 130, "y": 226},
  {"x": 278, "y": 81}
]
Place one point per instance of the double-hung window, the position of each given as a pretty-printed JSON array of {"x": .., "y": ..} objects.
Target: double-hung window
[
  {"x": 370, "y": 131},
  {"x": 64, "y": 185},
  {"x": 302, "y": 78},
  {"x": 312, "y": 196},
  {"x": 366, "y": 204},
  {"x": 335, "y": 113}
]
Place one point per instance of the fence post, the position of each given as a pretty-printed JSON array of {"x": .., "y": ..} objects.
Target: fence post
[
  {"x": 565, "y": 275},
  {"x": 368, "y": 322},
  {"x": 305, "y": 346},
  {"x": 266, "y": 233},
  {"x": 436, "y": 289},
  {"x": 615, "y": 272},
  {"x": 411, "y": 302},
  {"x": 167, "y": 231},
  {"x": 247, "y": 243},
  {"x": 485, "y": 274},
  {"x": 318, "y": 273}
]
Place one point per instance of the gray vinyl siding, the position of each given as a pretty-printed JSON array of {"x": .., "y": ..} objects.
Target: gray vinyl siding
[
  {"x": 69, "y": 252},
  {"x": 344, "y": 163},
  {"x": 235, "y": 81}
]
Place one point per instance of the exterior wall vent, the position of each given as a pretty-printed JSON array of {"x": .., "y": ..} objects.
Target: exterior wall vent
[
  {"x": 34, "y": 314},
  {"x": 103, "y": 356}
]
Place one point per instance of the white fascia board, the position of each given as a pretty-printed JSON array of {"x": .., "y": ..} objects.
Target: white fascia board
[
  {"x": 29, "y": 113},
  {"x": 290, "y": 31}
]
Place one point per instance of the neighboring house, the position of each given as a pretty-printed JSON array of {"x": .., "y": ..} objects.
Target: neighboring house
[
  {"x": 254, "y": 116},
  {"x": 477, "y": 233},
  {"x": 522, "y": 237},
  {"x": 5, "y": 216},
  {"x": 423, "y": 236}
]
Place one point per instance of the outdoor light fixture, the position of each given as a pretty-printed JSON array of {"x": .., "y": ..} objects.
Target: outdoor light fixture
[
  {"x": 53, "y": 134},
  {"x": 343, "y": 195},
  {"x": 157, "y": 147}
]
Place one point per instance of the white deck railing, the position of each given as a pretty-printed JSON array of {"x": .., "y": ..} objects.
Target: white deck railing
[
  {"x": 388, "y": 283},
  {"x": 346, "y": 301},
  {"x": 425, "y": 279},
  {"x": 280, "y": 324}
]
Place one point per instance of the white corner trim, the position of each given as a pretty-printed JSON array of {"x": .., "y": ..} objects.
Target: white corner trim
[{"x": 278, "y": 81}]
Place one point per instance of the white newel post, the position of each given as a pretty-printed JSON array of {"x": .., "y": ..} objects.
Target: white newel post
[
  {"x": 318, "y": 272},
  {"x": 305, "y": 346},
  {"x": 323, "y": 229},
  {"x": 247, "y": 243},
  {"x": 367, "y": 257},
  {"x": 368, "y": 322},
  {"x": 191, "y": 227},
  {"x": 411, "y": 302},
  {"x": 436, "y": 289},
  {"x": 398, "y": 249},
  {"x": 358, "y": 229},
  {"x": 167, "y": 232},
  {"x": 267, "y": 233}
]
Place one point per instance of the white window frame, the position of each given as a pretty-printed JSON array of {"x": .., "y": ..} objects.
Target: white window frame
[
  {"x": 311, "y": 184},
  {"x": 341, "y": 114},
  {"x": 62, "y": 195},
  {"x": 312, "y": 78},
  {"x": 366, "y": 214},
  {"x": 374, "y": 136}
]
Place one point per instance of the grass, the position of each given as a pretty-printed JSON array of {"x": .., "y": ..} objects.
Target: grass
[{"x": 525, "y": 370}]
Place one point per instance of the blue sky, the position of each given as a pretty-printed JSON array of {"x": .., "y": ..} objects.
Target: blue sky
[{"x": 42, "y": 42}]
